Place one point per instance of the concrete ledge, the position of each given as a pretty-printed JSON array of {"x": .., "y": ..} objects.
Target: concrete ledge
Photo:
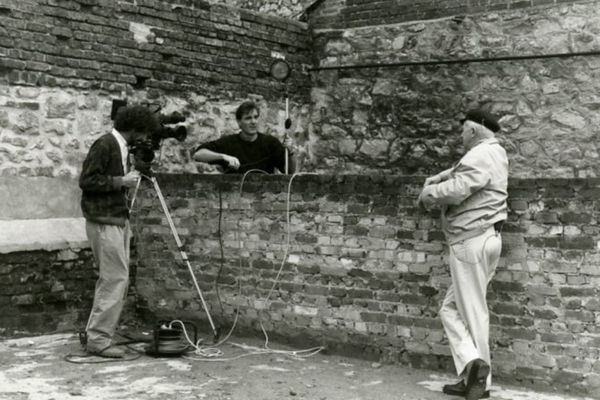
[
  {"x": 42, "y": 234},
  {"x": 39, "y": 198}
]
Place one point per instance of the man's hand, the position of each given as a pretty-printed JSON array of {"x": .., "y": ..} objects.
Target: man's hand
[
  {"x": 288, "y": 143},
  {"x": 441, "y": 177},
  {"x": 131, "y": 179},
  {"x": 432, "y": 180},
  {"x": 232, "y": 162},
  {"x": 425, "y": 201}
]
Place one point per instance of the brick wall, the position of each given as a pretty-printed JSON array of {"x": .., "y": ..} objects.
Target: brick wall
[
  {"x": 366, "y": 273},
  {"x": 50, "y": 291},
  {"x": 122, "y": 46},
  {"x": 356, "y": 13}
]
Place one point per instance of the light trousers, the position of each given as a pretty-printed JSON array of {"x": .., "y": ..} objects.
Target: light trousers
[
  {"x": 464, "y": 311},
  {"x": 110, "y": 246}
]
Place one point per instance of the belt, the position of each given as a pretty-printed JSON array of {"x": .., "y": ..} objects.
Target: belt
[{"x": 497, "y": 228}]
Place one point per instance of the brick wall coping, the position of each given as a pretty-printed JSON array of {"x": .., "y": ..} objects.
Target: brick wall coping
[
  {"x": 353, "y": 183},
  {"x": 42, "y": 234}
]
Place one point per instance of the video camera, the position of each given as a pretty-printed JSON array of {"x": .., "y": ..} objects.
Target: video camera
[{"x": 144, "y": 149}]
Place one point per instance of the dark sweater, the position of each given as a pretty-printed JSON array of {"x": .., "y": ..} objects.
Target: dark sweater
[
  {"x": 104, "y": 198},
  {"x": 265, "y": 153}
]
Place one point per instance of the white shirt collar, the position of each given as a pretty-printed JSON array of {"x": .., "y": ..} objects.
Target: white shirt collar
[{"x": 123, "y": 147}]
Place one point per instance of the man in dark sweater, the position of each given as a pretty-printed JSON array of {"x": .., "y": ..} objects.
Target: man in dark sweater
[
  {"x": 105, "y": 180},
  {"x": 249, "y": 149}
]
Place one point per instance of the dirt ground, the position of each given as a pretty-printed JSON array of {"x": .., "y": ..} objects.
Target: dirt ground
[{"x": 35, "y": 368}]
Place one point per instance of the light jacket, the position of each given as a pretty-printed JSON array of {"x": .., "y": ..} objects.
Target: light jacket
[{"x": 473, "y": 197}]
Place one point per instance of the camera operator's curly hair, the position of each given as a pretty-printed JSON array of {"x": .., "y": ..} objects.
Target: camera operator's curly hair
[{"x": 136, "y": 118}]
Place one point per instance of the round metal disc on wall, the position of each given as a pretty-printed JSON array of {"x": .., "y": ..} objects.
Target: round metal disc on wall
[{"x": 280, "y": 70}]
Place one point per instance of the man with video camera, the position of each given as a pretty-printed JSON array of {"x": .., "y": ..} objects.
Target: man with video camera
[
  {"x": 105, "y": 180},
  {"x": 249, "y": 149}
]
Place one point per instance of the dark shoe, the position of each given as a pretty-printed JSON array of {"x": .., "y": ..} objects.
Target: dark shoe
[
  {"x": 475, "y": 387},
  {"x": 107, "y": 352},
  {"x": 460, "y": 389}
]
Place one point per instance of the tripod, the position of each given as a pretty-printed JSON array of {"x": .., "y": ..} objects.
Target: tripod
[{"x": 183, "y": 254}]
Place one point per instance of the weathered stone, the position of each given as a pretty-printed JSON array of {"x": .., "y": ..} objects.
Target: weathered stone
[
  {"x": 28, "y": 92},
  {"x": 338, "y": 47},
  {"x": 60, "y": 105},
  {"x": 28, "y": 123},
  {"x": 398, "y": 42},
  {"x": 54, "y": 156},
  {"x": 383, "y": 87},
  {"x": 57, "y": 127},
  {"x": 4, "y": 119},
  {"x": 570, "y": 119}
]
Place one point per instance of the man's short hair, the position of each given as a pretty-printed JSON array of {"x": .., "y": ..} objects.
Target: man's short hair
[
  {"x": 245, "y": 108},
  {"x": 136, "y": 118}
]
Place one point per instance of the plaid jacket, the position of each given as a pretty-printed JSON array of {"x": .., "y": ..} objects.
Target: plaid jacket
[{"x": 103, "y": 200}]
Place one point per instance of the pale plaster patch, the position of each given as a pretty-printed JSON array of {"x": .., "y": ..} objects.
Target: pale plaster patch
[
  {"x": 42, "y": 234},
  {"x": 141, "y": 32},
  {"x": 32, "y": 353},
  {"x": 20, "y": 368},
  {"x": 179, "y": 365},
  {"x": 116, "y": 369},
  {"x": 32, "y": 385},
  {"x": 264, "y": 367}
]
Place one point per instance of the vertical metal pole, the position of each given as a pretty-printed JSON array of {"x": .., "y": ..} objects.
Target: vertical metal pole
[{"x": 287, "y": 105}]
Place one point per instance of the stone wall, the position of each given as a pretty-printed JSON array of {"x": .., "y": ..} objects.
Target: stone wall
[
  {"x": 284, "y": 8},
  {"x": 366, "y": 273},
  {"x": 327, "y": 14},
  {"x": 404, "y": 119},
  {"x": 47, "y": 131}
]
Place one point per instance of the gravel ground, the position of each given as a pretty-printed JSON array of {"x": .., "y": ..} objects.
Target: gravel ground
[{"x": 35, "y": 368}]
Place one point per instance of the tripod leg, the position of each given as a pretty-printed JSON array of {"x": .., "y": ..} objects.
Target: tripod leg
[
  {"x": 135, "y": 191},
  {"x": 183, "y": 254}
]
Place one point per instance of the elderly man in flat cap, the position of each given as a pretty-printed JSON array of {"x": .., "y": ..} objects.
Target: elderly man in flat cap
[{"x": 473, "y": 196}]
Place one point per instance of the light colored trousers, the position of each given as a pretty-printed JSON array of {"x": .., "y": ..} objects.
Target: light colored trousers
[
  {"x": 110, "y": 246},
  {"x": 464, "y": 311}
]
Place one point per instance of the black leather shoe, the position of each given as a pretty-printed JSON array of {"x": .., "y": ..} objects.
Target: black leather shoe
[
  {"x": 459, "y": 389},
  {"x": 478, "y": 372}
]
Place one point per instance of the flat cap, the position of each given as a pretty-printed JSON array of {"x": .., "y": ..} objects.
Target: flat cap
[{"x": 482, "y": 117}]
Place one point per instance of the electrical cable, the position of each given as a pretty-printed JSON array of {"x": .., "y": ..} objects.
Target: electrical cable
[
  {"x": 214, "y": 354},
  {"x": 456, "y": 61},
  {"x": 313, "y": 350},
  {"x": 240, "y": 250},
  {"x": 84, "y": 358},
  {"x": 222, "y": 258}
]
